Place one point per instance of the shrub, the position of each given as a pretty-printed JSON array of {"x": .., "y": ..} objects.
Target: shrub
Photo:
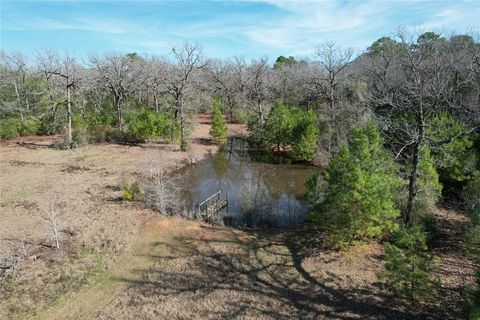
[
  {"x": 218, "y": 131},
  {"x": 410, "y": 268},
  {"x": 79, "y": 137},
  {"x": 471, "y": 241},
  {"x": 148, "y": 124},
  {"x": 361, "y": 182},
  {"x": 242, "y": 116},
  {"x": 471, "y": 194},
  {"x": 11, "y": 128},
  {"x": 98, "y": 133},
  {"x": 473, "y": 300},
  {"x": 29, "y": 126},
  {"x": 130, "y": 192}
]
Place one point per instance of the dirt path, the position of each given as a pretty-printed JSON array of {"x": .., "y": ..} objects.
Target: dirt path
[{"x": 91, "y": 300}]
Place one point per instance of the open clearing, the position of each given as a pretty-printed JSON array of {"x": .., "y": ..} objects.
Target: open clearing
[{"x": 121, "y": 261}]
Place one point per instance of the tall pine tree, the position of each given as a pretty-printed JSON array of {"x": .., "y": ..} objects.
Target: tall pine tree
[
  {"x": 218, "y": 131},
  {"x": 361, "y": 181}
]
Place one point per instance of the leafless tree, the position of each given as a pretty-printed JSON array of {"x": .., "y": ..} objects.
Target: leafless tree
[
  {"x": 51, "y": 219},
  {"x": 52, "y": 65},
  {"x": 16, "y": 72},
  {"x": 121, "y": 75},
  {"x": 329, "y": 75},
  {"x": 226, "y": 78},
  {"x": 21, "y": 241},
  {"x": 258, "y": 88},
  {"x": 179, "y": 82},
  {"x": 161, "y": 189}
]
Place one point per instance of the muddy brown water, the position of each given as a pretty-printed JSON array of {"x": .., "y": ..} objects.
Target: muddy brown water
[{"x": 261, "y": 190}]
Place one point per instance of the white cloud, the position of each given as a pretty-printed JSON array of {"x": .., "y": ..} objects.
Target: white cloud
[
  {"x": 306, "y": 24},
  {"x": 79, "y": 23}
]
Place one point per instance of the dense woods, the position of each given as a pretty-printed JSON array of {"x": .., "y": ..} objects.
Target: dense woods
[{"x": 397, "y": 128}]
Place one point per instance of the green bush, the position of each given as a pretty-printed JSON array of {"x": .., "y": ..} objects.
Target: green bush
[
  {"x": 471, "y": 241},
  {"x": 29, "y": 127},
  {"x": 148, "y": 124},
  {"x": 471, "y": 194},
  {"x": 242, "y": 116},
  {"x": 11, "y": 128},
  {"x": 410, "y": 269},
  {"x": 473, "y": 301},
  {"x": 361, "y": 181},
  {"x": 131, "y": 192},
  {"x": 98, "y": 133}
]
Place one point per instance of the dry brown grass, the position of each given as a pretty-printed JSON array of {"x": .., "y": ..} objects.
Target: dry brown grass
[
  {"x": 85, "y": 185},
  {"x": 189, "y": 270}
]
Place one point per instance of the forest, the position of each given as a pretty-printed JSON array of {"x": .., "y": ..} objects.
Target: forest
[{"x": 394, "y": 131}]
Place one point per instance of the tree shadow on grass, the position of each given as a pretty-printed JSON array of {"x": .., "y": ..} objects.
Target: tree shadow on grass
[{"x": 257, "y": 274}]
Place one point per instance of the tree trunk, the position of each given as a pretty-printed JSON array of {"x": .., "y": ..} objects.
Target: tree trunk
[
  {"x": 412, "y": 185},
  {"x": 69, "y": 115},
  {"x": 118, "y": 108},
  {"x": 156, "y": 104},
  {"x": 181, "y": 116}
]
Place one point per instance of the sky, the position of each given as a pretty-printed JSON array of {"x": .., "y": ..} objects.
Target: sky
[{"x": 251, "y": 29}]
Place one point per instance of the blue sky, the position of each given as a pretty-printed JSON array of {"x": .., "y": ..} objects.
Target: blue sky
[{"x": 224, "y": 28}]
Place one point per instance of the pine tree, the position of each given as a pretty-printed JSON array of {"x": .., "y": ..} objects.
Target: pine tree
[
  {"x": 409, "y": 267},
  {"x": 360, "y": 182},
  {"x": 305, "y": 136},
  {"x": 278, "y": 127},
  {"x": 218, "y": 131}
]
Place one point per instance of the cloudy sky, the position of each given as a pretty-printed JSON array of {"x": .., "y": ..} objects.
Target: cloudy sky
[{"x": 224, "y": 28}]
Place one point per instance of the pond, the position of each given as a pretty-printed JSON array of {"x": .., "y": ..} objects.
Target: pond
[{"x": 259, "y": 192}]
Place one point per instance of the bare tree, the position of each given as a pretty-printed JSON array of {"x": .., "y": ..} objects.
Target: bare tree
[
  {"x": 121, "y": 75},
  {"x": 258, "y": 88},
  {"x": 226, "y": 78},
  {"x": 22, "y": 241},
  {"x": 179, "y": 81},
  {"x": 329, "y": 78},
  {"x": 16, "y": 72},
  {"x": 161, "y": 189},
  {"x": 65, "y": 67},
  {"x": 51, "y": 219}
]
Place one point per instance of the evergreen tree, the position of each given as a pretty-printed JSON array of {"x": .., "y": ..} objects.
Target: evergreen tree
[
  {"x": 455, "y": 160},
  {"x": 305, "y": 136},
  {"x": 218, "y": 131},
  {"x": 429, "y": 187},
  {"x": 278, "y": 127},
  {"x": 360, "y": 182},
  {"x": 410, "y": 268}
]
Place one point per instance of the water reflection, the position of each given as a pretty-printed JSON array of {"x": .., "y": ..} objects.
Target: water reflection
[{"x": 259, "y": 193}]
